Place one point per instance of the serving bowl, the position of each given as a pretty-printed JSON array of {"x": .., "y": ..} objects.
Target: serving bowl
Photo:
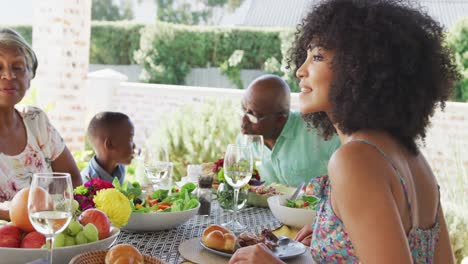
[
  {"x": 293, "y": 217},
  {"x": 155, "y": 221},
  {"x": 60, "y": 255}
]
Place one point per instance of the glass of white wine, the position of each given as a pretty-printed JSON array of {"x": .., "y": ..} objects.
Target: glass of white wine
[
  {"x": 157, "y": 167},
  {"x": 50, "y": 205},
  {"x": 256, "y": 141},
  {"x": 238, "y": 166}
]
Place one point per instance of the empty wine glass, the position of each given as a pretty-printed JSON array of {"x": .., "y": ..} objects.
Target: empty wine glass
[
  {"x": 50, "y": 205},
  {"x": 256, "y": 141},
  {"x": 238, "y": 166},
  {"x": 157, "y": 166}
]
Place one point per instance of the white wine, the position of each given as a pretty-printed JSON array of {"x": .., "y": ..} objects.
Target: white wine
[
  {"x": 50, "y": 222},
  {"x": 237, "y": 179}
]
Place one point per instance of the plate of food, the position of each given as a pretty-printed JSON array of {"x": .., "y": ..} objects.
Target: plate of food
[
  {"x": 221, "y": 241},
  {"x": 60, "y": 255},
  {"x": 258, "y": 195}
]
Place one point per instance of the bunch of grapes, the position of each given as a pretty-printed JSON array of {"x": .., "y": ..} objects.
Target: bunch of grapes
[{"x": 76, "y": 234}]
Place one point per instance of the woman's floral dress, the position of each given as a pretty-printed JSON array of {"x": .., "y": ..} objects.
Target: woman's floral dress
[
  {"x": 331, "y": 243},
  {"x": 44, "y": 144}
]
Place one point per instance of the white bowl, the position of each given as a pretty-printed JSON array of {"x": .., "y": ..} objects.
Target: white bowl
[
  {"x": 159, "y": 220},
  {"x": 60, "y": 255},
  {"x": 294, "y": 217}
]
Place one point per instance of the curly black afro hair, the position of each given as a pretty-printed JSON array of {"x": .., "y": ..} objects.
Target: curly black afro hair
[{"x": 391, "y": 66}]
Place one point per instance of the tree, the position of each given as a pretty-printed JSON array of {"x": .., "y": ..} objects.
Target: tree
[
  {"x": 192, "y": 12},
  {"x": 106, "y": 10}
]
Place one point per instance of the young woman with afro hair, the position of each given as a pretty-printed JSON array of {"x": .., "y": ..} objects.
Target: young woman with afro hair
[{"x": 373, "y": 72}]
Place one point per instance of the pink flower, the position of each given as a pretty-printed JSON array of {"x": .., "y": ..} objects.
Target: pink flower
[{"x": 84, "y": 201}]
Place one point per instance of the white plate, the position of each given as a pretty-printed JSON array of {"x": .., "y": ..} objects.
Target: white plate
[
  {"x": 291, "y": 250},
  {"x": 155, "y": 221},
  {"x": 60, "y": 255}
]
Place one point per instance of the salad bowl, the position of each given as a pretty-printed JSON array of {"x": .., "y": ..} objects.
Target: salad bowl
[
  {"x": 293, "y": 217},
  {"x": 154, "y": 221}
]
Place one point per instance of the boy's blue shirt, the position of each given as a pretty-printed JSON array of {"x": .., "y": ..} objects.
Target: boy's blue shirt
[{"x": 94, "y": 170}]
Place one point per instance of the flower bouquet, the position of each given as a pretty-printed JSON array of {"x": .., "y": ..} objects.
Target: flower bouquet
[{"x": 111, "y": 198}]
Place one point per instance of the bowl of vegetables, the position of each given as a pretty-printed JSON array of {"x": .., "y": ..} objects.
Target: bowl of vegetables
[
  {"x": 297, "y": 213},
  {"x": 163, "y": 210}
]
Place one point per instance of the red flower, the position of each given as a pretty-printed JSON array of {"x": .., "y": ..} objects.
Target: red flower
[
  {"x": 218, "y": 165},
  {"x": 96, "y": 184}
]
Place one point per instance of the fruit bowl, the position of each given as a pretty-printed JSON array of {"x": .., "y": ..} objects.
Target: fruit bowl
[
  {"x": 154, "y": 221},
  {"x": 60, "y": 255},
  {"x": 293, "y": 217}
]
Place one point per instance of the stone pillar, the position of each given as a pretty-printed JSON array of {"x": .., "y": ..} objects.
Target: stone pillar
[
  {"x": 61, "y": 36},
  {"x": 100, "y": 91}
]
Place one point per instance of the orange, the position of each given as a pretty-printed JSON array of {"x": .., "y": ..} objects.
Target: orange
[{"x": 19, "y": 208}]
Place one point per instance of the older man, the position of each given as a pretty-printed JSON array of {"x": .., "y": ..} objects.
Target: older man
[{"x": 292, "y": 153}]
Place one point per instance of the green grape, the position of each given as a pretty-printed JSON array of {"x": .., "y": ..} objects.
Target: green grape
[
  {"x": 81, "y": 238},
  {"x": 59, "y": 240},
  {"x": 76, "y": 205},
  {"x": 91, "y": 232},
  {"x": 74, "y": 228},
  {"x": 69, "y": 241}
]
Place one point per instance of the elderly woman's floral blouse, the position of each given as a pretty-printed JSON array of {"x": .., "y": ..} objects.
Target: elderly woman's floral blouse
[
  {"x": 330, "y": 241},
  {"x": 44, "y": 145}
]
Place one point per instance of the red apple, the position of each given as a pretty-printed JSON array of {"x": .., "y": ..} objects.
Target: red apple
[
  {"x": 10, "y": 236},
  {"x": 97, "y": 218},
  {"x": 33, "y": 239}
]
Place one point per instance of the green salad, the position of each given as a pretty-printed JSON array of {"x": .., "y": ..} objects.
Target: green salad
[
  {"x": 160, "y": 201},
  {"x": 305, "y": 202}
]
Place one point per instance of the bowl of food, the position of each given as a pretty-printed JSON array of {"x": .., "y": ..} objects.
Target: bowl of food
[
  {"x": 258, "y": 195},
  {"x": 60, "y": 255},
  {"x": 297, "y": 213},
  {"x": 153, "y": 221},
  {"x": 162, "y": 210}
]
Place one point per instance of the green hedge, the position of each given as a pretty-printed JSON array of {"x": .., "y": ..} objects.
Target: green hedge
[
  {"x": 114, "y": 42},
  {"x": 111, "y": 42},
  {"x": 168, "y": 51},
  {"x": 24, "y": 30},
  {"x": 457, "y": 40}
]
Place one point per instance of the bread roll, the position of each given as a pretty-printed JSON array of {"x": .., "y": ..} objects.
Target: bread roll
[
  {"x": 124, "y": 254},
  {"x": 219, "y": 238}
]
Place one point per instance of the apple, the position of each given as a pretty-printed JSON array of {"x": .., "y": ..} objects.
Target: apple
[
  {"x": 99, "y": 219},
  {"x": 10, "y": 236},
  {"x": 33, "y": 239}
]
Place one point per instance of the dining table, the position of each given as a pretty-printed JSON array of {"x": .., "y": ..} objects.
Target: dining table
[{"x": 164, "y": 244}]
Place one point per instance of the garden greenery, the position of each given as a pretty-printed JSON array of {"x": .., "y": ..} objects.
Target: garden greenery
[
  {"x": 167, "y": 51},
  {"x": 457, "y": 40},
  {"x": 198, "y": 133}
]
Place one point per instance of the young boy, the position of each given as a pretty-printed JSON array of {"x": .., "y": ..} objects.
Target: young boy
[{"x": 111, "y": 136}]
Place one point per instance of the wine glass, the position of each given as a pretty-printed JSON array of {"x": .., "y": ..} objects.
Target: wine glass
[
  {"x": 257, "y": 147},
  {"x": 157, "y": 166},
  {"x": 50, "y": 205},
  {"x": 238, "y": 166}
]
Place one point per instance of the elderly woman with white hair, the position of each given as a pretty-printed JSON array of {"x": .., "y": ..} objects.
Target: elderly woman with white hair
[{"x": 28, "y": 142}]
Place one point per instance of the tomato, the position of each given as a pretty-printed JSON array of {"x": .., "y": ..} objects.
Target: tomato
[{"x": 163, "y": 206}]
